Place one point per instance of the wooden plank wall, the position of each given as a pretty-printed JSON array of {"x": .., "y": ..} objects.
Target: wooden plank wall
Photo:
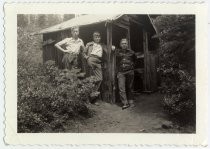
[
  {"x": 113, "y": 76},
  {"x": 150, "y": 66},
  {"x": 49, "y": 50},
  {"x": 145, "y": 46},
  {"x": 153, "y": 70},
  {"x": 47, "y": 53}
]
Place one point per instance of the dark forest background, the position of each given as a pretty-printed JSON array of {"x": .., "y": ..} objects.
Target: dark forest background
[{"x": 41, "y": 20}]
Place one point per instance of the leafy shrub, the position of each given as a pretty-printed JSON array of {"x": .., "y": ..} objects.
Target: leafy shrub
[
  {"x": 177, "y": 64},
  {"x": 46, "y": 100},
  {"x": 47, "y": 96}
]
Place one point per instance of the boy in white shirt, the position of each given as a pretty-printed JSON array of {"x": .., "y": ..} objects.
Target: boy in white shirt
[
  {"x": 94, "y": 54},
  {"x": 72, "y": 49}
]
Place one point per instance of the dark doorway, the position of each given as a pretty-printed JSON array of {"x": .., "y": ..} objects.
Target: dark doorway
[
  {"x": 136, "y": 42},
  {"x": 86, "y": 32},
  {"x": 117, "y": 34}
]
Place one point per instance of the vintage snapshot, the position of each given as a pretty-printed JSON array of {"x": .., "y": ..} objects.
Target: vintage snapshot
[{"x": 133, "y": 76}]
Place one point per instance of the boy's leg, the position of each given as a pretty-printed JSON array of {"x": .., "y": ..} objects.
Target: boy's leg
[
  {"x": 129, "y": 86},
  {"x": 75, "y": 59},
  {"x": 122, "y": 91},
  {"x": 97, "y": 70},
  {"x": 66, "y": 62},
  {"x": 98, "y": 74}
]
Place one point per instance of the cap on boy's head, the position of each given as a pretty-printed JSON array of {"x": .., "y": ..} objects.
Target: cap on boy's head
[
  {"x": 96, "y": 33},
  {"x": 75, "y": 27}
]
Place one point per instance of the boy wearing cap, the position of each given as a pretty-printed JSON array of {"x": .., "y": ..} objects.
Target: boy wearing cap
[{"x": 72, "y": 48}]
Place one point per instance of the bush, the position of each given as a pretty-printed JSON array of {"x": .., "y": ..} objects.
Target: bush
[
  {"x": 46, "y": 100},
  {"x": 177, "y": 64},
  {"x": 47, "y": 96}
]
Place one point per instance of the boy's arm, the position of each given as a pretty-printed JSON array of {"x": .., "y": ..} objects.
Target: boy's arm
[
  {"x": 59, "y": 44},
  {"x": 84, "y": 52},
  {"x": 117, "y": 61},
  {"x": 86, "y": 48},
  {"x": 82, "y": 47},
  {"x": 89, "y": 44},
  {"x": 117, "y": 52}
]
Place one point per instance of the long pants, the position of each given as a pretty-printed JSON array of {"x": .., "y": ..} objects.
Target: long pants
[
  {"x": 70, "y": 60},
  {"x": 95, "y": 64},
  {"x": 125, "y": 83}
]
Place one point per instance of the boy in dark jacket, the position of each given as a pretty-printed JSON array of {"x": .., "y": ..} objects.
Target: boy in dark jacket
[{"x": 125, "y": 74}]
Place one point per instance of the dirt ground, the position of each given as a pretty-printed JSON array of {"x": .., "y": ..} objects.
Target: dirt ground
[{"x": 146, "y": 117}]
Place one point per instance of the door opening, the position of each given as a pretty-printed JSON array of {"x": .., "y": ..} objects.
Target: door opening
[{"x": 136, "y": 41}]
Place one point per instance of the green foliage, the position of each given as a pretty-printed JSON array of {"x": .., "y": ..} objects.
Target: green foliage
[
  {"x": 47, "y": 96},
  {"x": 177, "y": 64}
]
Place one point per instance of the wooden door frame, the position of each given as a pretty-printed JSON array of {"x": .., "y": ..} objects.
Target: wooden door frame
[
  {"x": 146, "y": 53},
  {"x": 110, "y": 73},
  {"x": 112, "y": 60}
]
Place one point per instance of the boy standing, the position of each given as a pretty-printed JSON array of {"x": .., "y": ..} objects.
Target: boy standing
[
  {"x": 125, "y": 74},
  {"x": 93, "y": 54},
  {"x": 72, "y": 48}
]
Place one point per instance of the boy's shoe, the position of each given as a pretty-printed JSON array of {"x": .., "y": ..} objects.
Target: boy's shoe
[
  {"x": 94, "y": 97},
  {"x": 125, "y": 106}
]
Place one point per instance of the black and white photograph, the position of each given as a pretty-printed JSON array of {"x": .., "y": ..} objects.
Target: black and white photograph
[
  {"x": 106, "y": 73},
  {"x": 97, "y": 74}
]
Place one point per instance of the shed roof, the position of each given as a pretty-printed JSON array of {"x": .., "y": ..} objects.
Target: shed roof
[{"x": 80, "y": 21}]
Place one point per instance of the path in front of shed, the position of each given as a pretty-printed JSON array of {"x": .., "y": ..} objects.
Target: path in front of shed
[{"x": 146, "y": 117}]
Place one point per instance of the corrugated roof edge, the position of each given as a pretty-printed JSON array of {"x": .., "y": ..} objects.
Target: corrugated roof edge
[{"x": 80, "y": 21}]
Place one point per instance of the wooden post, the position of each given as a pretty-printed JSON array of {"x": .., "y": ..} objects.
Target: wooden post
[
  {"x": 129, "y": 39},
  {"x": 110, "y": 64},
  {"x": 146, "y": 67},
  {"x": 43, "y": 49},
  {"x": 113, "y": 55}
]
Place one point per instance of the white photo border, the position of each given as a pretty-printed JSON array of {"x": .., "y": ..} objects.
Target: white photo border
[{"x": 12, "y": 137}]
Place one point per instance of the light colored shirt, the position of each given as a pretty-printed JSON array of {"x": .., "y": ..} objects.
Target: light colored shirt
[
  {"x": 97, "y": 50},
  {"x": 72, "y": 45}
]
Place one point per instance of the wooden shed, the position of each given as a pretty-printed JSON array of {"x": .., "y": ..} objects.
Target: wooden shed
[{"x": 138, "y": 29}]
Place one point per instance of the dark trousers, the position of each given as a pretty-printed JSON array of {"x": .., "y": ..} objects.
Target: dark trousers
[
  {"x": 125, "y": 83},
  {"x": 70, "y": 60}
]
